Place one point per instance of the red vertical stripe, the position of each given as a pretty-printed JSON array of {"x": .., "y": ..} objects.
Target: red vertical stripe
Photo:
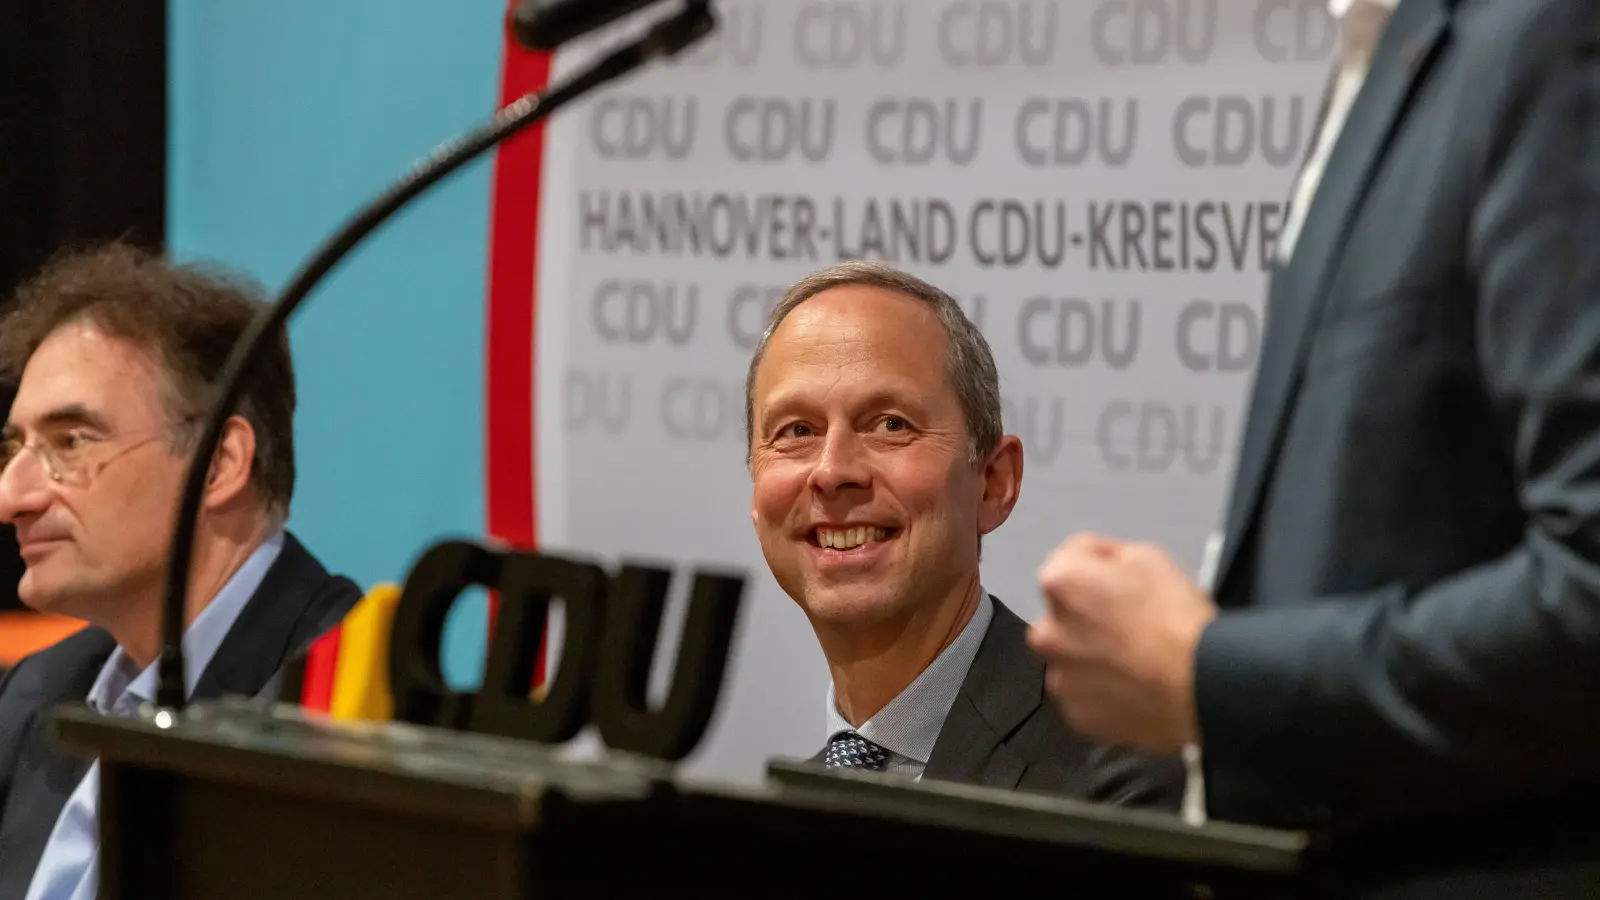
[
  {"x": 512, "y": 314},
  {"x": 322, "y": 665}
]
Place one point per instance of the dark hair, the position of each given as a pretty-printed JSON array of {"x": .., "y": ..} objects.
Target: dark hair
[{"x": 188, "y": 317}]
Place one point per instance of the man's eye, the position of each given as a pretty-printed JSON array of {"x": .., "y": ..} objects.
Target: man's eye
[
  {"x": 894, "y": 423},
  {"x": 798, "y": 429},
  {"x": 71, "y": 442}
]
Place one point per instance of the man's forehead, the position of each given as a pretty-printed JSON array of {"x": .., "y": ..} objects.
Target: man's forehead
[
  {"x": 875, "y": 324},
  {"x": 80, "y": 366},
  {"x": 81, "y": 343},
  {"x": 859, "y": 306},
  {"x": 855, "y": 365}
]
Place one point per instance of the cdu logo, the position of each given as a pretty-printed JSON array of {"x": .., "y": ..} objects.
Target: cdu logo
[
  {"x": 611, "y": 628},
  {"x": 636, "y": 311},
  {"x": 1153, "y": 32},
  {"x": 634, "y": 128},
  {"x": 992, "y": 33},
  {"x": 841, "y": 36}
]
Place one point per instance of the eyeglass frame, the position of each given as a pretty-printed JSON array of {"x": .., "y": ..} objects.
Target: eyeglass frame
[{"x": 49, "y": 458}]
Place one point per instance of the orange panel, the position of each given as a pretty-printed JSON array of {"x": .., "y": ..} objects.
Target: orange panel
[{"x": 22, "y": 633}]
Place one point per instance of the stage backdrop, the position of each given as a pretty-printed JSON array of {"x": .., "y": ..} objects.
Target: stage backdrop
[
  {"x": 1099, "y": 181},
  {"x": 285, "y": 118}
]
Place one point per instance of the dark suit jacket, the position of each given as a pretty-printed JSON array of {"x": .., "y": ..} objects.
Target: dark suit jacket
[
  {"x": 1414, "y": 536},
  {"x": 1003, "y": 732},
  {"x": 297, "y": 601}
]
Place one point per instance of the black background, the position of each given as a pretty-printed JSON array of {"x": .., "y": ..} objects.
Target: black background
[{"x": 83, "y": 127}]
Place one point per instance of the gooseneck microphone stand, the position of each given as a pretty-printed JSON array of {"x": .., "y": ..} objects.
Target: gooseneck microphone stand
[{"x": 666, "y": 38}]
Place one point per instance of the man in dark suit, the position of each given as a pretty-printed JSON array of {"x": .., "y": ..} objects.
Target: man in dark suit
[
  {"x": 878, "y": 463},
  {"x": 1405, "y": 646},
  {"x": 116, "y": 352}
]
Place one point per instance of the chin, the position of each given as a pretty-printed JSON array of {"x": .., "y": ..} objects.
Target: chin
[
  {"x": 40, "y": 594},
  {"x": 40, "y": 601},
  {"x": 853, "y": 604}
]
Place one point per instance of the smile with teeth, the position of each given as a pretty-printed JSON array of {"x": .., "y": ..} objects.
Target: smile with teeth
[{"x": 848, "y": 538}]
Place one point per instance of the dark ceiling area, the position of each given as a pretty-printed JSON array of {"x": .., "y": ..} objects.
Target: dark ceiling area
[{"x": 83, "y": 125}]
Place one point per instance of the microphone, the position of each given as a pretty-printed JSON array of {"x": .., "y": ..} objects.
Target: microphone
[
  {"x": 547, "y": 24},
  {"x": 665, "y": 38}
]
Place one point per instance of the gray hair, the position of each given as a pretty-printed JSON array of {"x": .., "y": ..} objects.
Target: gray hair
[{"x": 969, "y": 364}]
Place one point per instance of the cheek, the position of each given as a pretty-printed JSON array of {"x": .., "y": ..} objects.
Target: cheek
[
  {"x": 136, "y": 498},
  {"x": 776, "y": 490},
  {"x": 929, "y": 486},
  {"x": 942, "y": 498}
]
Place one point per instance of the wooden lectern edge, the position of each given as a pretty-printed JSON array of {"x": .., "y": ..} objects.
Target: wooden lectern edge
[
  {"x": 1124, "y": 830},
  {"x": 512, "y": 803},
  {"x": 352, "y": 769}
]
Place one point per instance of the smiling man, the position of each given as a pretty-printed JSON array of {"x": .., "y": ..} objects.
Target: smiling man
[
  {"x": 117, "y": 351},
  {"x": 878, "y": 463}
]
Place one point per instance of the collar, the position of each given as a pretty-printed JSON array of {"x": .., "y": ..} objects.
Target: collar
[
  {"x": 909, "y": 725},
  {"x": 120, "y": 689}
]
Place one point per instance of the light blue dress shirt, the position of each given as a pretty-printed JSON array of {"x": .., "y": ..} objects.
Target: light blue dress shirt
[
  {"x": 909, "y": 725},
  {"x": 67, "y": 870}
]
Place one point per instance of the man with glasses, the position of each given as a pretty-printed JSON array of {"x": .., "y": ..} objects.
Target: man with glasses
[{"x": 116, "y": 351}]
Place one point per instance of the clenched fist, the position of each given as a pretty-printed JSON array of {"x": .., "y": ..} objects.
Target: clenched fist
[{"x": 1118, "y": 639}]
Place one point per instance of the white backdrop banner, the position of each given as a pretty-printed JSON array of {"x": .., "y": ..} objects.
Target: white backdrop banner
[{"x": 1100, "y": 183}]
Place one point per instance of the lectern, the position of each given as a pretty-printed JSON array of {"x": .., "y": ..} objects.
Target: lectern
[{"x": 244, "y": 801}]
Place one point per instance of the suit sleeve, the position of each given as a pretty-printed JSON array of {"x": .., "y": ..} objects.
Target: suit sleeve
[
  {"x": 1418, "y": 698},
  {"x": 1126, "y": 778}
]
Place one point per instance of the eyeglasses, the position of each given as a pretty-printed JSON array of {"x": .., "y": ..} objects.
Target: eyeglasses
[{"x": 70, "y": 457}]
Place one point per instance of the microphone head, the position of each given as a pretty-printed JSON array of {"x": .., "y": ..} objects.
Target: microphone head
[{"x": 547, "y": 24}]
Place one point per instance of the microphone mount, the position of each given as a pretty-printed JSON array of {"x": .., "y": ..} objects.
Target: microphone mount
[{"x": 666, "y": 37}]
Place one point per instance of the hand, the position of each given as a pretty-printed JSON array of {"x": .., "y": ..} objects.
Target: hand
[{"x": 1118, "y": 639}]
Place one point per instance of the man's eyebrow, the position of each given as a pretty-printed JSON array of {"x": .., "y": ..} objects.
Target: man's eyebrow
[
  {"x": 779, "y": 400},
  {"x": 893, "y": 397},
  {"x": 782, "y": 401},
  {"x": 73, "y": 414}
]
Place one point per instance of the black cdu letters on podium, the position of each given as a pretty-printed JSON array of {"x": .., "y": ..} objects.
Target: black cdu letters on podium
[{"x": 612, "y": 625}]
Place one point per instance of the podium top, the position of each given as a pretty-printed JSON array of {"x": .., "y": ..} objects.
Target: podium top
[{"x": 494, "y": 782}]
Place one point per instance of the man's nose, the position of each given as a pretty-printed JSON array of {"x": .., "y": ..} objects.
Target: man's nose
[
  {"x": 843, "y": 463},
  {"x": 23, "y": 487}
]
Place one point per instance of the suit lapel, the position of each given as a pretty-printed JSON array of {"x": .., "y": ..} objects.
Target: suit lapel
[
  {"x": 1297, "y": 290},
  {"x": 970, "y": 750},
  {"x": 271, "y": 626},
  {"x": 1000, "y": 692}
]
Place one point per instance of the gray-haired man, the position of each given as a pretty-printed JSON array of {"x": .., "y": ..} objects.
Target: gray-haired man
[{"x": 878, "y": 462}]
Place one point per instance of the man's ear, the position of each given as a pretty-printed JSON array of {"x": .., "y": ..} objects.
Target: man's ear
[
  {"x": 232, "y": 464},
  {"x": 1002, "y": 484}
]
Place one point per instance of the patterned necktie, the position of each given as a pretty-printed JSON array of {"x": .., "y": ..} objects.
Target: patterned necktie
[{"x": 850, "y": 749}]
